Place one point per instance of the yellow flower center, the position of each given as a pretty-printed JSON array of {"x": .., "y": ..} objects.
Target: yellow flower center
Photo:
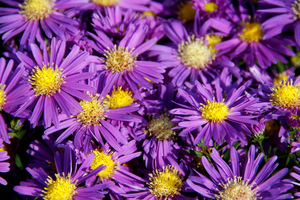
[
  {"x": 252, "y": 32},
  {"x": 106, "y": 3},
  {"x": 119, "y": 59},
  {"x": 46, "y": 81},
  {"x": 2, "y": 96},
  {"x": 165, "y": 183},
  {"x": 37, "y": 9},
  {"x": 286, "y": 95},
  {"x": 295, "y": 117},
  {"x": 160, "y": 127},
  {"x": 210, "y": 7},
  {"x": 280, "y": 79},
  {"x": 195, "y": 54},
  {"x": 237, "y": 189},
  {"x": 214, "y": 111},
  {"x": 92, "y": 111},
  {"x": 186, "y": 12},
  {"x": 102, "y": 158},
  {"x": 212, "y": 41},
  {"x": 60, "y": 189},
  {"x": 119, "y": 98},
  {"x": 296, "y": 9}
]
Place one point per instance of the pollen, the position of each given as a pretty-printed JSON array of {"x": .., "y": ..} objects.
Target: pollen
[
  {"x": 214, "y": 111},
  {"x": 195, "y": 54},
  {"x": 60, "y": 189},
  {"x": 119, "y": 59},
  {"x": 252, "y": 32},
  {"x": 165, "y": 183},
  {"x": 92, "y": 111},
  {"x": 286, "y": 95},
  {"x": 36, "y": 9},
  {"x": 105, "y": 159},
  {"x": 161, "y": 127},
  {"x": 296, "y": 9},
  {"x": 212, "y": 41},
  {"x": 237, "y": 189},
  {"x": 210, "y": 7},
  {"x": 186, "y": 12},
  {"x": 2, "y": 96},
  {"x": 106, "y": 3},
  {"x": 46, "y": 81},
  {"x": 119, "y": 98}
]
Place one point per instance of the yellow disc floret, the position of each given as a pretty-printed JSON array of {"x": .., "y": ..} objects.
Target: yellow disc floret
[
  {"x": 252, "y": 32},
  {"x": 106, "y": 3},
  {"x": 214, "y": 111},
  {"x": 119, "y": 59},
  {"x": 195, "y": 54},
  {"x": 286, "y": 95},
  {"x": 92, "y": 111},
  {"x": 296, "y": 9},
  {"x": 37, "y": 9},
  {"x": 119, "y": 98},
  {"x": 160, "y": 128},
  {"x": 212, "y": 41},
  {"x": 103, "y": 158},
  {"x": 237, "y": 189},
  {"x": 186, "y": 12},
  {"x": 165, "y": 183},
  {"x": 210, "y": 7},
  {"x": 2, "y": 96},
  {"x": 46, "y": 81},
  {"x": 60, "y": 189}
]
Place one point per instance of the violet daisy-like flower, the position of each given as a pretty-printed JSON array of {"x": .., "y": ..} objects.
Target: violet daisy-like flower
[
  {"x": 10, "y": 94},
  {"x": 249, "y": 181},
  {"x": 66, "y": 182},
  {"x": 248, "y": 42},
  {"x": 296, "y": 175},
  {"x": 285, "y": 14},
  {"x": 4, "y": 164},
  {"x": 217, "y": 113},
  {"x": 166, "y": 182},
  {"x": 54, "y": 81},
  {"x": 121, "y": 61},
  {"x": 189, "y": 57},
  {"x": 211, "y": 8},
  {"x": 33, "y": 19}
]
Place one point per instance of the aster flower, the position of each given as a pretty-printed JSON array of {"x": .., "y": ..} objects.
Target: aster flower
[
  {"x": 4, "y": 165},
  {"x": 211, "y": 115},
  {"x": 164, "y": 183},
  {"x": 121, "y": 61},
  {"x": 248, "y": 42},
  {"x": 66, "y": 182},
  {"x": 93, "y": 118},
  {"x": 212, "y": 8},
  {"x": 286, "y": 14},
  {"x": 249, "y": 181},
  {"x": 11, "y": 95},
  {"x": 296, "y": 176},
  {"x": 54, "y": 82},
  {"x": 189, "y": 57},
  {"x": 117, "y": 172},
  {"x": 34, "y": 18}
]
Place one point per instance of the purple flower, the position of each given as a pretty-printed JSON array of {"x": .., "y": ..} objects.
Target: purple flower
[
  {"x": 215, "y": 112},
  {"x": 240, "y": 180},
  {"x": 190, "y": 57},
  {"x": 11, "y": 95},
  {"x": 285, "y": 14},
  {"x": 54, "y": 83},
  {"x": 34, "y": 18},
  {"x": 4, "y": 166},
  {"x": 212, "y": 8},
  {"x": 248, "y": 42},
  {"x": 122, "y": 62},
  {"x": 296, "y": 182},
  {"x": 66, "y": 182}
]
